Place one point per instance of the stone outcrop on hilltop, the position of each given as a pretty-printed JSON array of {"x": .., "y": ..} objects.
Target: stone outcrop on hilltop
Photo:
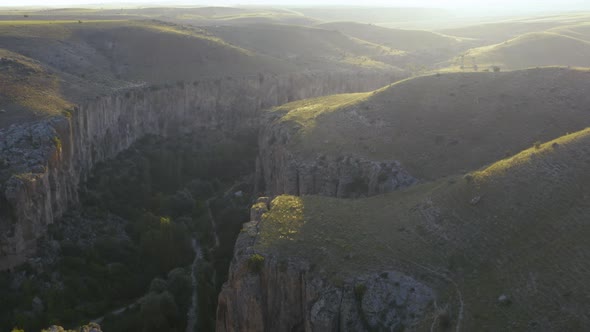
[
  {"x": 43, "y": 163},
  {"x": 266, "y": 292}
]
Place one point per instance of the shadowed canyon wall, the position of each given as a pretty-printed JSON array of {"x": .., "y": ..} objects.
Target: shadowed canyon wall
[{"x": 43, "y": 163}]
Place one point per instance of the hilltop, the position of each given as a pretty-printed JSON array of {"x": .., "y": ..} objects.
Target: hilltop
[
  {"x": 199, "y": 16},
  {"x": 399, "y": 39},
  {"x": 515, "y": 228},
  {"x": 310, "y": 47},
  {"x": 550, "y": 48},
  {"x": 84, "y": 59},
  {"x": 436, "y": 125}
]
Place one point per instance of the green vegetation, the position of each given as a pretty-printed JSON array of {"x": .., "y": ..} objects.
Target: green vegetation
[
  {"x": 438, "y": 125},
  {"x": 305, "y": 112},
  {"x": 57, "y": 142},
  {"x": 27, "y": 88},
  {"x": 398, "y": 39},
  {"x": 256, "y": 263},
  {"x": 537, "y": 49},
  {"x": 160, "y": 189},
  {"x": 475, "y": 252},
  {"x": 314, "y": 48},
  {"x": 283, "y": 222}
]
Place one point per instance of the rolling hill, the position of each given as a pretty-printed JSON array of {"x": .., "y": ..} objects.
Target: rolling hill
[
  {"x": 550, "y": 48},
  {"x": 405, "y": 40},
  {"x": 75, "y": 60},
  {"x": 505, "y": 248},
  {"x": 309, "y": 47},
  {"x": 439, "y": 125}
]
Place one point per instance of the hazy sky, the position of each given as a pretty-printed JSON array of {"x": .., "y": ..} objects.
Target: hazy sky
[{"x": 448, "y": 4}]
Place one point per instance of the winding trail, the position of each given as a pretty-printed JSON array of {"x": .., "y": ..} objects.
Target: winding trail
[
  {"x": 213, "y": 224},
  {"x": 117, "y": 311},
  {"x": 192, "y": 314}
]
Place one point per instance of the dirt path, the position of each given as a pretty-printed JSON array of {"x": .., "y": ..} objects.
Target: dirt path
[{"x": 193, "y": 311}]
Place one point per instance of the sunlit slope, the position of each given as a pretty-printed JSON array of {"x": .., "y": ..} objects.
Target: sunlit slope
[
  {"x": 444, "y": 124},
  {"x": 199, "y": 16},
  {"x": 47, "y": 65},
  {"x": 550, "y": 48},
  {"x": 491, "y": 33},
  {"x": 405, "y": 40},
  {"x": 579, "y": 31},
  {"x": 495, "y": 32},
  {"x": 27, "y": 90},
  {"x": 517, "y": 228},
  {"x": 106, "y": 52},
  {"x": 309, "y": 47}
]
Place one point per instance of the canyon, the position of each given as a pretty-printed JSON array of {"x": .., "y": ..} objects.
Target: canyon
[{"x": 51, "y": 157}]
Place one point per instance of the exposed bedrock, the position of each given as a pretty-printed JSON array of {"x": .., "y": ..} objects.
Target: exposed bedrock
[
  {"x": 287, "y": 294},
  {"x": 43, "y": 163},
  {"x": 280, "y": 169}
]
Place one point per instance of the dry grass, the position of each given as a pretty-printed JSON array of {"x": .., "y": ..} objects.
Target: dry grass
[
  {"x": 310, "y": 47},
  {"x": 27, "y": 91},
  {"x": 526, "y": 237},
  {"x": 534, "y": 50},
  {"x": 440, "y": 125},
  {"x": 398, "y": 39}
]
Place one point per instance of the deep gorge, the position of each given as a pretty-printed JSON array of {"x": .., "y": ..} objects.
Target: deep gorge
[{"x": 61, "y": 158}]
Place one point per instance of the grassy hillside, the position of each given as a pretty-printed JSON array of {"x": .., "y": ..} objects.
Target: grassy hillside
[
  {"x": 188, "y": 15},
  {"x": 47, "y": 62},
  {"x": 549, "y": 48},
  {"x": 27, "y": 90},
  {"x": 108, "y": 51},
  {"x": 309, "y": 47},
  {"x": 405, "y": 40},
  {"x": 382, "y": 15},
  {"x": 491, "y": 33},
  {"x": 441, "y": 125},
  {"x": 518, "y": 227},
  {"x": 579, "y": 31}
]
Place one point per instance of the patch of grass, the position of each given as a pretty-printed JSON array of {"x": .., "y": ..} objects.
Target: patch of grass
[
  {"x": 256, "y": 263},
  {"x": 401, "y": 121},
  {"x": 533, "y": 218},
  {"x": 305, "y": 112},
  {"x": 26, "y": 85},
  {"x": 283, "y": 222},
  {"x": 57, "y": 142},
  {"x": 535, "y": 49}
]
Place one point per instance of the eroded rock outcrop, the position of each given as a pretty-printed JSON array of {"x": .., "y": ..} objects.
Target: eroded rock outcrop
[
  {"x": 267, "y": 292},
  {"x": 280, "y": 169},
  {"x": 43, "y": 163}
]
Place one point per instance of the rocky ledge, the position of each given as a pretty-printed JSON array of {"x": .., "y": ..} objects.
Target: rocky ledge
[
  {"x": 266, "y": 292},
  {"x": 282, "y": 169}
]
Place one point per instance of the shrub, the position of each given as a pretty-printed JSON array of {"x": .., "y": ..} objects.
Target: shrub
[
  {"x": 256, "y": 263},
  {"x": 57, "y": 142},
  {"x": 537, "y": 145}
]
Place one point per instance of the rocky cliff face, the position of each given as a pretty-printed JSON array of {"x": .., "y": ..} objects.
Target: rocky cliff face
[
  {"x": 266, "y": 292},
  {"x": 281, "y": 170},
  {"x": 42, "y": 164}
]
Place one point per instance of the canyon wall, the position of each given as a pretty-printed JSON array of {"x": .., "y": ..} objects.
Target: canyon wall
[
  {"x": 43, "y": 163},
  {"x": 280, "y": 169},
  {"x": 275, "y": 293}
]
